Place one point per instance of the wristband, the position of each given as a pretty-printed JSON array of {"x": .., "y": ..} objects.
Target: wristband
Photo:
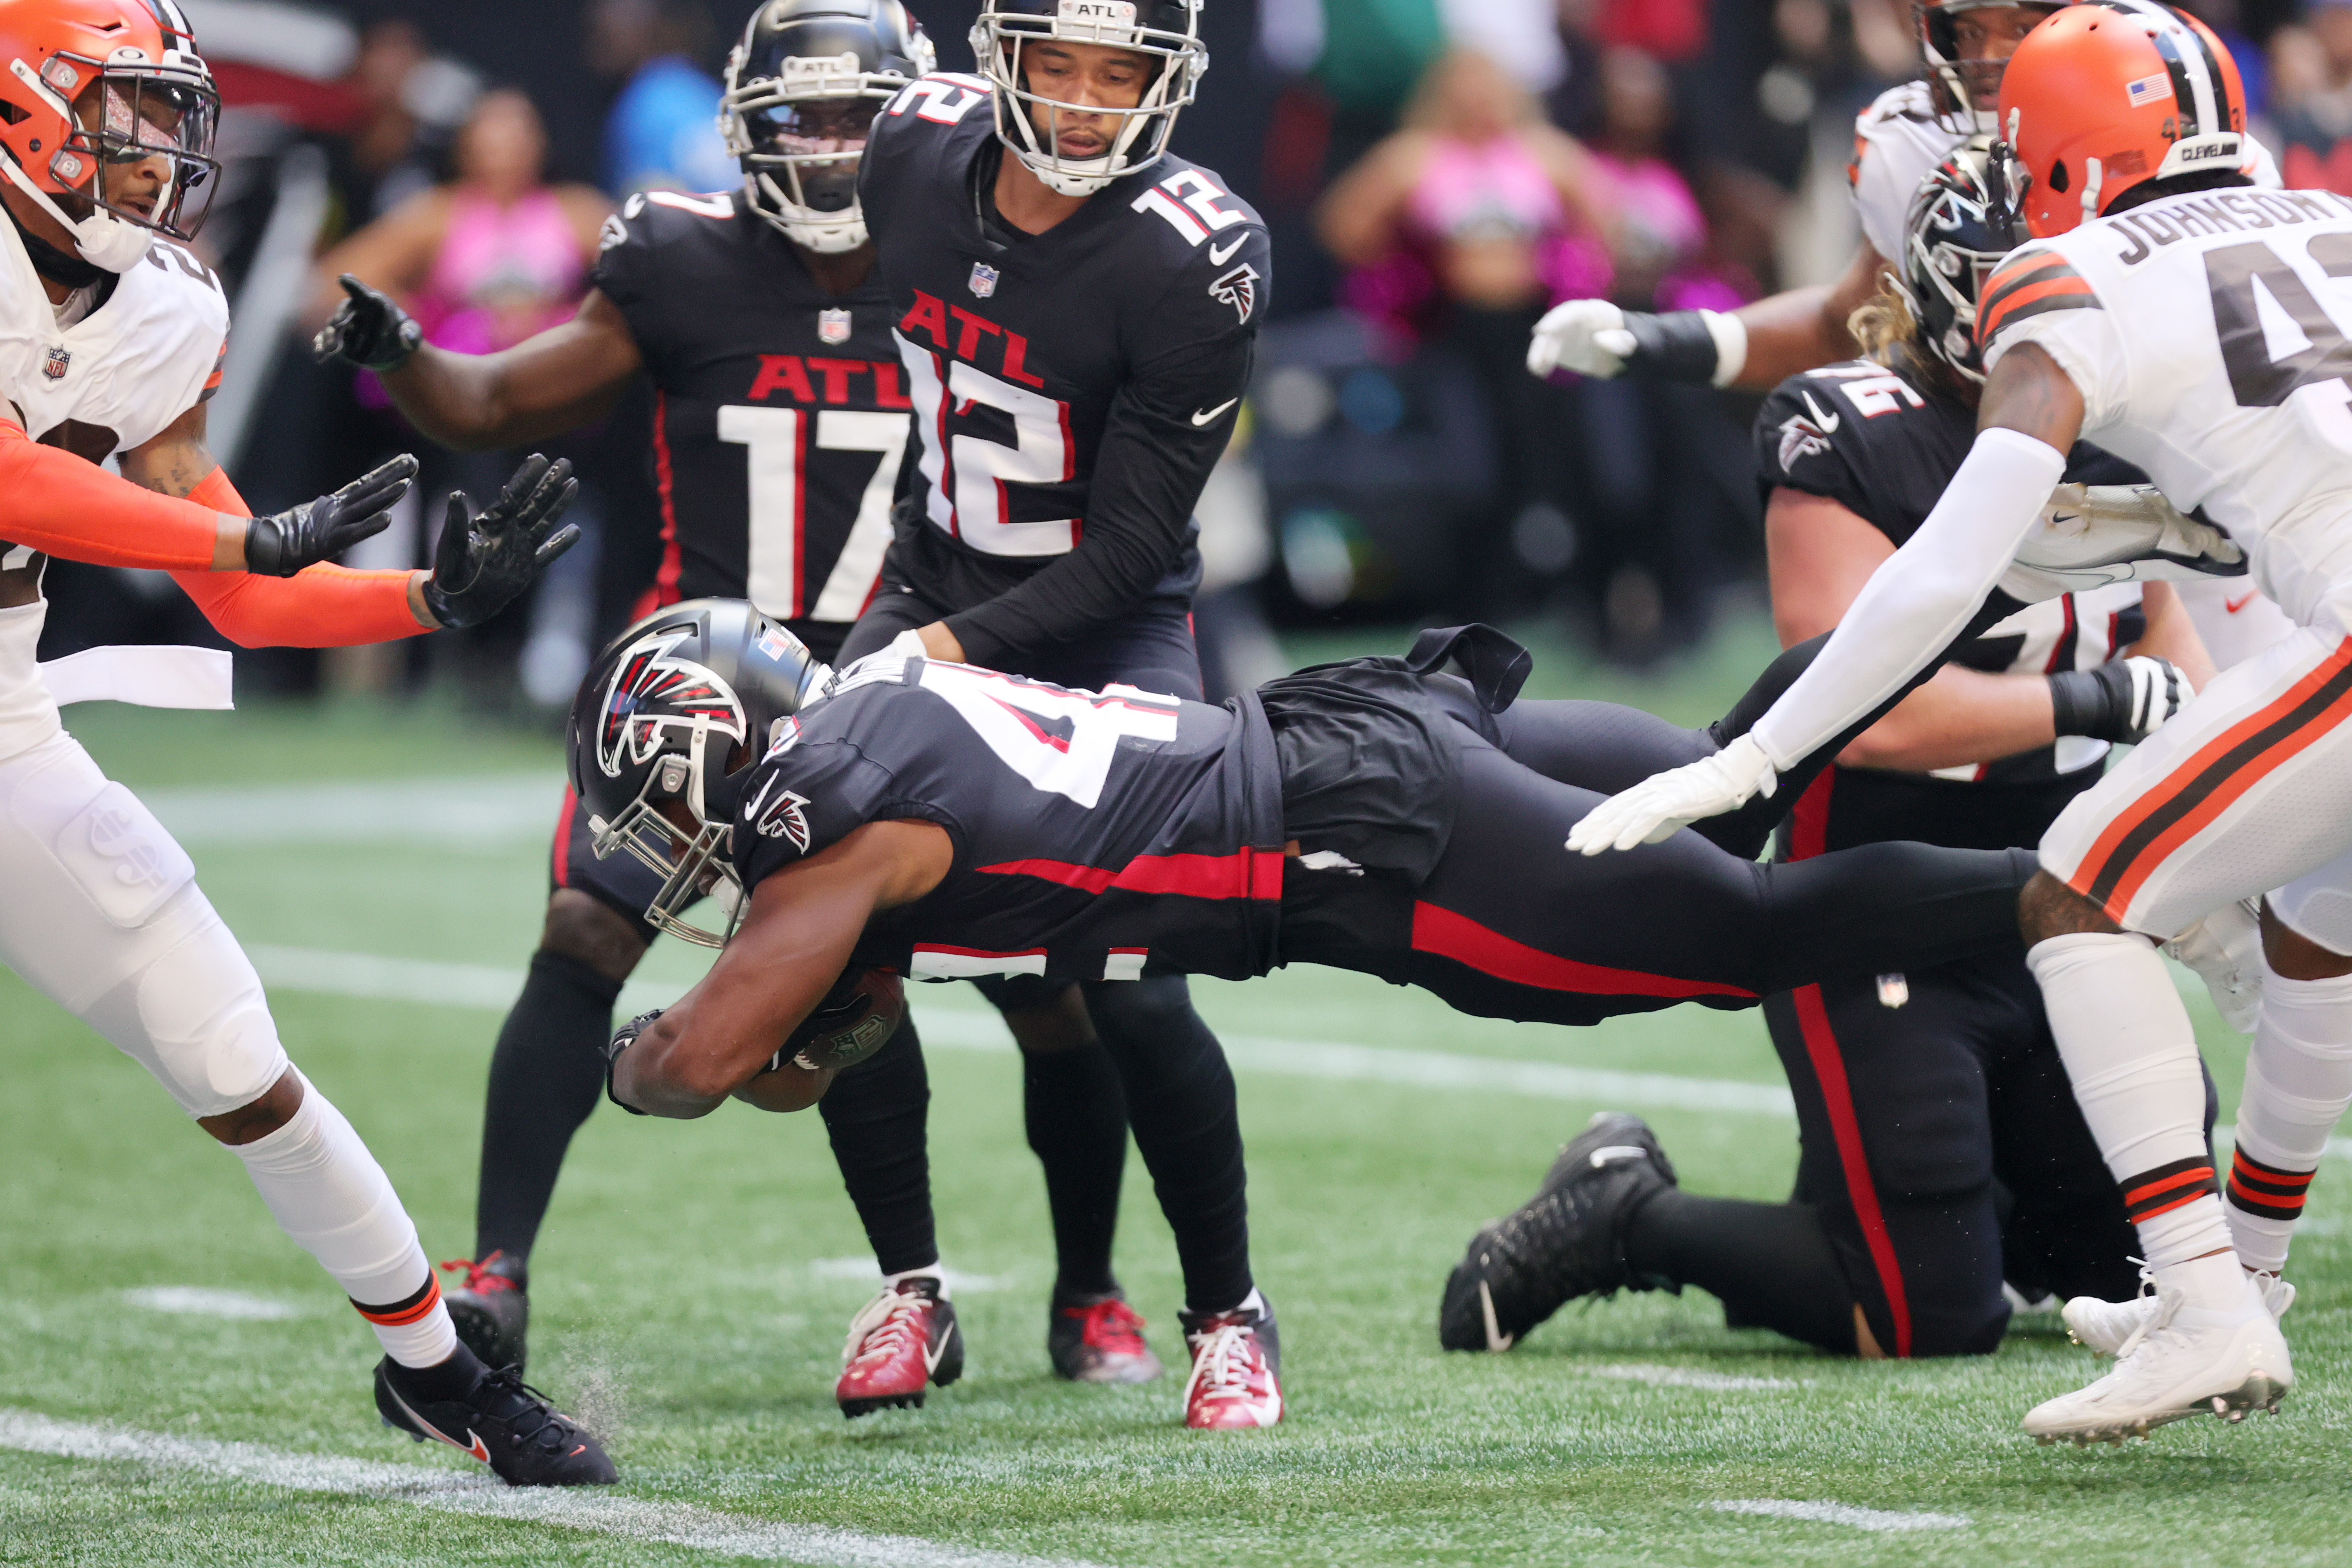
[{"x": 1677, "y": 346}]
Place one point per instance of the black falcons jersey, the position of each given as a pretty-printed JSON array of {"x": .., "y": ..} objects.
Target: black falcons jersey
[
  {"x": 1861, "y": 435},
  {"x": 1075, "y": 388},
  {"x": 1098, "y": 836},
  {"x": 783, "y": 415}
]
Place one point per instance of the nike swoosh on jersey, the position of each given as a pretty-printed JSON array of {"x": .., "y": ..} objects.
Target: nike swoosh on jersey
[
  {"x": 1203, "y": 421},
  {"x": 1827, "y": 422},
  {"x": 1219, "y": 258},
  {"x": 2234, "y": 606}
]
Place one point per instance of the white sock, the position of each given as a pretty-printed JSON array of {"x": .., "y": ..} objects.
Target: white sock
[
  {"x": 2214, "y": 1284},
  {"x": 2298, "y": 1083},
  {"x": 2132, "y": 1054},
  {"x": 331, "y": 1196},
  {"x": 931, "y": 1271}
]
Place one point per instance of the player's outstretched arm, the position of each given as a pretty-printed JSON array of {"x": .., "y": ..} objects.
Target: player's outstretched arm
[
  {"x": 1758, "y": 346},
  {"x": 1914, "y": 605},
  {"x": 803, "y": 926},
  {"x": 564, "y": 377}
]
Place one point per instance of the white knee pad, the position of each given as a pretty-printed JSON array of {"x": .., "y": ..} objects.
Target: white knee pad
[
  {"x": 102, "y": 914},
  {"x": 2299, "y": 1073}
]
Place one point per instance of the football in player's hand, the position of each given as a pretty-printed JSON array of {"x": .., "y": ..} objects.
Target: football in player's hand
[{"x": 856, "y": 1016}]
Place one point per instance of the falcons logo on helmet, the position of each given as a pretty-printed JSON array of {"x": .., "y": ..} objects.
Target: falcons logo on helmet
[{"x": 653, "y": 691}]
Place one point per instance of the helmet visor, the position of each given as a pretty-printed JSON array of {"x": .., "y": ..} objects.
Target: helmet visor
[
  {"x": 142, "y": 148},
  {"x": 810, "y": 146}
]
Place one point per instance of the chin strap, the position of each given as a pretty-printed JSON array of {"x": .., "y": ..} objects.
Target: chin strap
[{"x": 105, "y": 241}]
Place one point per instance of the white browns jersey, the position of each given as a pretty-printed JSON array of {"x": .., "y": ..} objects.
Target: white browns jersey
[
  {"x": 1900, "y": 139},
  {"x": 2207, "y": 335},
  {"x": 150, "y": 353}
]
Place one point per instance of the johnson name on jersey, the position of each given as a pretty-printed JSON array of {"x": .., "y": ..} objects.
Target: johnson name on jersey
[
  {"x": 150, "y": 351},
  {"x": 782, "y": 414},
  {"x": 1082, "y": 380},
  {"x": 2205, "y": 333},
  {"x": 1098, "y": 836}
]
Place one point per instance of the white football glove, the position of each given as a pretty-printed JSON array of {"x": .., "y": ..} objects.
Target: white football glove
[
  {"x": 2158, "y": 691},
  {"x": 1587, "y": 336},
  {"x": 2225, "y": 949},
  {"x": 1655, "y": 808},
  {"x": 2092, "y": 535}
]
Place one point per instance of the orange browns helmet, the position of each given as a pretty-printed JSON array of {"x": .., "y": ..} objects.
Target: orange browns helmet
[
  {"x": 2109, "y": 94},
  {"x": 93, "y": 87}
]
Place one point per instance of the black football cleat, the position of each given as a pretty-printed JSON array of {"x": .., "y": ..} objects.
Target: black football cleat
[
  {"x": 492, "y": 1309},
  {"x": 1097, "y": 1339},
  {"x": 1568, "y": 1240},
  {"x": 503, "y": 1421}
]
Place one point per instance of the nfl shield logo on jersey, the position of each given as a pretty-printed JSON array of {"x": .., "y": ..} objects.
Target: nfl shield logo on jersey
[
  {"x": 833, "y": 326},
  {"x": 60, "y": 361},
  {"x": 983, "y": 279}
]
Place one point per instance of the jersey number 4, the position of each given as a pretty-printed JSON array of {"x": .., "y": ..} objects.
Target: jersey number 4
[
  {"x": 1021, "y": 721},
  {"x": 778, "y": 576},
  {"x": 2262, "y": 305}
]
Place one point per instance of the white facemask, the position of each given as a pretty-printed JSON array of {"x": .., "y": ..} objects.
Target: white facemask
[{"x": 105, "y": 241}]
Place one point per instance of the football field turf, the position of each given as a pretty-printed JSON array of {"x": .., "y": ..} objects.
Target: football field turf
[{"x": 179, "y": 1384}]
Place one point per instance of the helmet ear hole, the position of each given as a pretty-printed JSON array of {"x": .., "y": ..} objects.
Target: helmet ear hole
[{"x": 2058, "y": 181}]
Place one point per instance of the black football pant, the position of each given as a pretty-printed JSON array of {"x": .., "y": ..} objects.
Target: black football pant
[
  {"x": 1512, "y": 925},
  {"x": 1152, "y": 1064}
]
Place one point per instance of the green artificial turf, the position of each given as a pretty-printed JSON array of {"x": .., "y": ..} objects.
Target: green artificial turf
[{"x": 693, "y": 1281}]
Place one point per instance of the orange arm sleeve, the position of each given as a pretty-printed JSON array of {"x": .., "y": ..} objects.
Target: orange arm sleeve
[
  {"x": 64, "y": 506},
  {"x": 320, "y": 607}
]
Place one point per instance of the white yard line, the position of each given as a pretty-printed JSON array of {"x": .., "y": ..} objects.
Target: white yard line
[
  {"x": 197, "y": 1301},
  {"x": 1685, "y": 1377},
  {"x": 1843, "y": 1513},
  {"x": 475, "y": 1493},
  {"x": 965, "y": 1028}
]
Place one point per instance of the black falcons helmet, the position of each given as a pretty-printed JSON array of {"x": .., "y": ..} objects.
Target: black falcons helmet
[
  {"x": 801, "y": 91},
  {"x": 1966, "y": 90},
  {"x": 676, "y": 711},
  {"x": 1962, "y": 222},
  {"x": 1166, "y": 33}
]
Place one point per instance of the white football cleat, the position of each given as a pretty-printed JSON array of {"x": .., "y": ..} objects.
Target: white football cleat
[
  {"x": 2103, "y": 1327},
  {"x": 2225, "y": 949},
  {"x": 2186, "y": 1361}
]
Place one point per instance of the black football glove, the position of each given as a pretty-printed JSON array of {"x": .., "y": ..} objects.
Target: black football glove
[
  {"x": 2124, "y": 701},
  {"x": 486, "y": 559},
  {"x": 282, "y": 545},
  {"x": 622, "y": 1042},
  {"x": 367, "y": 329}
]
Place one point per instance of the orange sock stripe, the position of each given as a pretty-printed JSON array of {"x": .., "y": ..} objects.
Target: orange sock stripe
[
  {"x": 2263, "y": 1204},
  {"x": 2268, "y": 1175},
  {"x": 2212, "y": 780},
  {"x": 2140, "y": 1194},
  {"x": 401, "y": 1317}
]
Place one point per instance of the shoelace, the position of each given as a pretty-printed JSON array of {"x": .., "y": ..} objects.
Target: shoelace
[
  {"x": 890, "y": 1334},
  {"x": 507, "y": 1381},
  {"x": 2168, "y": 1303},
  {"x": 475, "y": 1273},
  {"x": 1223, "y": 1362},
  {"x": 1112, "y": 1326}
]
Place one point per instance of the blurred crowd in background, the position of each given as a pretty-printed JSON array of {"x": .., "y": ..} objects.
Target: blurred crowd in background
[{"x": 1436, "y": 174}]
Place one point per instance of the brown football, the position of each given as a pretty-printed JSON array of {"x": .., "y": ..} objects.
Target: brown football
[{"x": 851, "y": 1023}]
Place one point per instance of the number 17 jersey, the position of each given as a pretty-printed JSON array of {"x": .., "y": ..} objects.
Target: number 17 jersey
[
  {"x": 2208, "y": 336},
  {"x": 782, "y": 417}
]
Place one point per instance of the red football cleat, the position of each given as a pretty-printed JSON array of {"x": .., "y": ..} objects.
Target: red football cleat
[
  {"x": 903, "y": 1338},
  {"x": 1099, "y": 1342},
  {"x": 1236, "y": 1362}
]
